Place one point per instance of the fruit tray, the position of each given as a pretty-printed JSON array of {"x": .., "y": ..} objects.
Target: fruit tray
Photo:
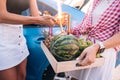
[{"x": 66, "y": 66}]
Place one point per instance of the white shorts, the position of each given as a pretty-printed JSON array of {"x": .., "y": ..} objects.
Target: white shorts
[{"x": 13, "y": 48}]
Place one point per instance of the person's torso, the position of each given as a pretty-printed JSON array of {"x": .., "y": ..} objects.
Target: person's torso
[{"x": 17, "y": 6}]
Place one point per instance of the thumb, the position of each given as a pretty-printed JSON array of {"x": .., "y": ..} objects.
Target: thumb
[{"x": 82, "y": 56}]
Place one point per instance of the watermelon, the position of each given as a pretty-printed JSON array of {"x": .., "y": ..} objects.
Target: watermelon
[
  {"x": 68, "y": 47},
  {"x": 64, "y": 47}
]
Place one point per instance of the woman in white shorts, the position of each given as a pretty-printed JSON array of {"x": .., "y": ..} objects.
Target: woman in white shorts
[{"x": 13, "y": 49}]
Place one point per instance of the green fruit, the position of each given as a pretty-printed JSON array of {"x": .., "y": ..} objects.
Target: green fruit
[
  {"x": 67, "y": 47},
  {"x": 64, "y": 47}
]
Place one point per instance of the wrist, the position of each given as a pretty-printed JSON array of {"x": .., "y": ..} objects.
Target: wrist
[
  {"x": 101, "y": 47},
  {"x": 97, "y": 47},
  {"x": 35, "y": 20}
]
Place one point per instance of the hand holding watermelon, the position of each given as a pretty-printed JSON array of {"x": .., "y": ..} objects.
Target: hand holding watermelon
[
  {"x": 88, "y": 56},
  {"x": 67, "y": 47}
]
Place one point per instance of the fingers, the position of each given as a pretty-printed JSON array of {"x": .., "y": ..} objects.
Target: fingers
[
  {"x": 49, "y": 20},
  {"x": 52, "y": 23},
  {"x": 82, "y": 56},
  {"x": 52, "y": 18},
  {"x": 65, "y": 19},
  {"x": 86, "y": 59}
]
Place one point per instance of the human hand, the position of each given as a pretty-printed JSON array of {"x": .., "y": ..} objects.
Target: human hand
[
  {"x": 88, "y": 56},
  {"x": 64, "y": 19},
  {"x": 46, "y": 20}
]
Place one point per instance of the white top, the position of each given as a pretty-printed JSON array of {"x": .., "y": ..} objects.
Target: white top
[
  {"x": 13, "y": 49},
  {"x": 100, "y": 8}
]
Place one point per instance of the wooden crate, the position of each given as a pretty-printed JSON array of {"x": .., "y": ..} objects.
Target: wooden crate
[{"x": 66, "y": 66}]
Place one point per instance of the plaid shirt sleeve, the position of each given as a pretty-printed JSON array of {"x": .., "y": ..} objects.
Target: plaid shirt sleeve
[
  {"x": 84, "y": 27},
  {"x": 76, "y": 31}
]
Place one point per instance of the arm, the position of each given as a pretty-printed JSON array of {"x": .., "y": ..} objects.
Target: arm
[
  {"x": 6, "y": 17},
  {"x": 34, "y": 8},
  {"x": 89, "y": 54},
  {"x": 11, "y": 18},
  {"x": 113, "y": 41}
]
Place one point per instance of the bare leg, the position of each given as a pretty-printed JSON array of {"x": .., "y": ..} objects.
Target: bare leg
[
  {"x": 8, "y": 74},
  {"x": 21, "y": 70}
]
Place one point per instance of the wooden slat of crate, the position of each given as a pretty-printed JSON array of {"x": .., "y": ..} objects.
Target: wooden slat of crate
[{"x": 66, "y": 66}]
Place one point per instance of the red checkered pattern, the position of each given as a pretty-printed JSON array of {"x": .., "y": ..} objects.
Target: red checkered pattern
[{"x": 107, "y": 26}]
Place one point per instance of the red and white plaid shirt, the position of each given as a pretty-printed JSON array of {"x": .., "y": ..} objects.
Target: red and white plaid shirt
[{"x": 107, "y": 26}]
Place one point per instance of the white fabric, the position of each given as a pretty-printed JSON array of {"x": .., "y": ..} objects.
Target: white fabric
[
  {"x": 106, "y": 71},
  {"x": 87, "y": 6},
  {"x": 74, "y": 3},
  {"x": 95, "y": 73},
  {"x": 13, "y": 49},
  {"x": 102, "y": 6}
]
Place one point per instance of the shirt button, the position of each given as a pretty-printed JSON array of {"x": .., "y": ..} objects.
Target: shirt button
[
  {"x": 21, "y": 51},
  {"x": 19, "y": 44},
  {"x": 20, "y": 27},
  {"x": 19, "y": 36}
]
